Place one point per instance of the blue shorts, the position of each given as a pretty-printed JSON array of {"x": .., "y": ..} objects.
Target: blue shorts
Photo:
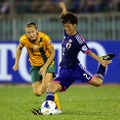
[{"x": 68, "y": 75}]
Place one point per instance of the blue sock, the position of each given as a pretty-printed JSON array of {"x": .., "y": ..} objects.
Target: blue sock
[
  {"x": 101, "y": 72},
  {"x": 50, "y": 96}
]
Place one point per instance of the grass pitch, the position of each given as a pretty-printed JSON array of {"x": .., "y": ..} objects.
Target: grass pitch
[{"x": 79, "y": 102}]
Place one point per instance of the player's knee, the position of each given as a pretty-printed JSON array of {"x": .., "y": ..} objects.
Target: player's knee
[
  {"x": 99, "y": 83},
  {"x": 37, "y": 93}
]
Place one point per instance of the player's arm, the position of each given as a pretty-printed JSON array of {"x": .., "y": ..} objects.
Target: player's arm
[
  {"x": 18, "y": 54},
  {"x": 51, "y": 58},
  {"x": 48, "y": 62},
  {"x": 101, "y": 61},
  {"x": 64, "y": 9}
]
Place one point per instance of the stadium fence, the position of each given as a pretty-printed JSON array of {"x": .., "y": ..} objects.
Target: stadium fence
[{"x": 100, "y": 26}]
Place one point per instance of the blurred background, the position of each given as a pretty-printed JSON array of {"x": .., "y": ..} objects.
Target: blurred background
[
  {"x": 98, "y": 19},
  {"x": 98, "y": 23}
]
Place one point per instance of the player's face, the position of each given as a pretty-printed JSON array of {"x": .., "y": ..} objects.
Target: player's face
[
  {"x": 31, "y": 33},
  {"x": 70, "y": 28}
]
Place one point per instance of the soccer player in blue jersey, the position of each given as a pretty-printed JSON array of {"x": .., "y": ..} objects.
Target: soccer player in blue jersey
[{"x": 71, "y": 68}]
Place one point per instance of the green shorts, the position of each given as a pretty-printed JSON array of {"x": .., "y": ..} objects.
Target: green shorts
[{"x": 34, "y": 71}]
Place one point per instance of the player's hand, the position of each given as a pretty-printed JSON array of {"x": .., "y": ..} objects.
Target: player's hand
[
  {"x": 62, "y": 5},
  {"x": 105, "y": 62},
  {"x": 15, "y": 67},
  {"x": 43, "y": 71}
]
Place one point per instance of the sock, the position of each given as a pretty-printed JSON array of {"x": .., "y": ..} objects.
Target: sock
[
  {"x": 50, "y": 96},
  {"x": 56, "y": 100},
  {"x": 101, "y": 72}
]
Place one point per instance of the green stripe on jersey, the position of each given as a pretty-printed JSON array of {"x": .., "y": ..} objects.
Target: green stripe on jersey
[{"x": 43, "y": 54}]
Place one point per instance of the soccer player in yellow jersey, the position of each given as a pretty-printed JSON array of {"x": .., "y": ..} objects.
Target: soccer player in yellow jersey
[{"x": 41, "y": 56}]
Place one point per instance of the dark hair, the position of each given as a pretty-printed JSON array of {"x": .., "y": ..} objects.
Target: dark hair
[
  {"x": 69, "y": 18},
  {"x": 29, "y": 24}
]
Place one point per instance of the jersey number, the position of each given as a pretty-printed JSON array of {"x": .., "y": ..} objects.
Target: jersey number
[{"x": 87, "y": 77}]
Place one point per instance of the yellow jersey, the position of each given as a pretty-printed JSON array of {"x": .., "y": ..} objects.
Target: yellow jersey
[{"x": 38, "y": 52}]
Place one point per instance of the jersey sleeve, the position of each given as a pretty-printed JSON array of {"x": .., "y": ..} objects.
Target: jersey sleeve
[
  {"x": 22, "y": 40},
  {"x": 82, "y": 44},
  {"x": 48, "y": 41}
]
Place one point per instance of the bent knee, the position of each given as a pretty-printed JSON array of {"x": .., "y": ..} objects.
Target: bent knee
[
  {"x": 97, "y": 82},
  {"x": 36, "y": 93}
]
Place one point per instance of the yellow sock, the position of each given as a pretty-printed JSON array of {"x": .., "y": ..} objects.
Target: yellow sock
[{"x": 56, "y": 100}]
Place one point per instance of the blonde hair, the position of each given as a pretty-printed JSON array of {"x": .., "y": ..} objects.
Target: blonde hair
[{"x": 31, "y": 24}]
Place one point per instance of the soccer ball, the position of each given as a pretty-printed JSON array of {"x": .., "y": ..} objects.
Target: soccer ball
[{"x": 48, "y": 107}]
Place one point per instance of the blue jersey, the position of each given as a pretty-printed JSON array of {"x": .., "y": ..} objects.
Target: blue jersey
[{"x": 71, "y": 46}]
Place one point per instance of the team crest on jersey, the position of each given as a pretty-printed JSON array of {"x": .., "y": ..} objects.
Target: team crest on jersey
[
  {"x": 35, "y": 47},
  {"x": 68, "y": 45}
]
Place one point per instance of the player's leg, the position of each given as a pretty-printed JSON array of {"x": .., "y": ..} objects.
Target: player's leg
[
  {"x": 52, "y": 89},
  {"x": 46, "y": 82},
  {"x": 49, "y": 78},
  {"x": 52, "y": 95},
  {"x": 97, "y": 80},
  {"x": 36, "y": 80},
  {"x": 37, "y": 88},
  {"x": 56, "y": 100},
  {"x": 61, "y": 83},
  {"x": 58, "y": 85}
]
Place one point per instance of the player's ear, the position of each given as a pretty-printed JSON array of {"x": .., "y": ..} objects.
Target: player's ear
[{"x": 74, "y": 25}]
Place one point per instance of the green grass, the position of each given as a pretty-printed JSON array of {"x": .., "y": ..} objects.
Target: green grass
[{"x": 83, "y": 102}]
